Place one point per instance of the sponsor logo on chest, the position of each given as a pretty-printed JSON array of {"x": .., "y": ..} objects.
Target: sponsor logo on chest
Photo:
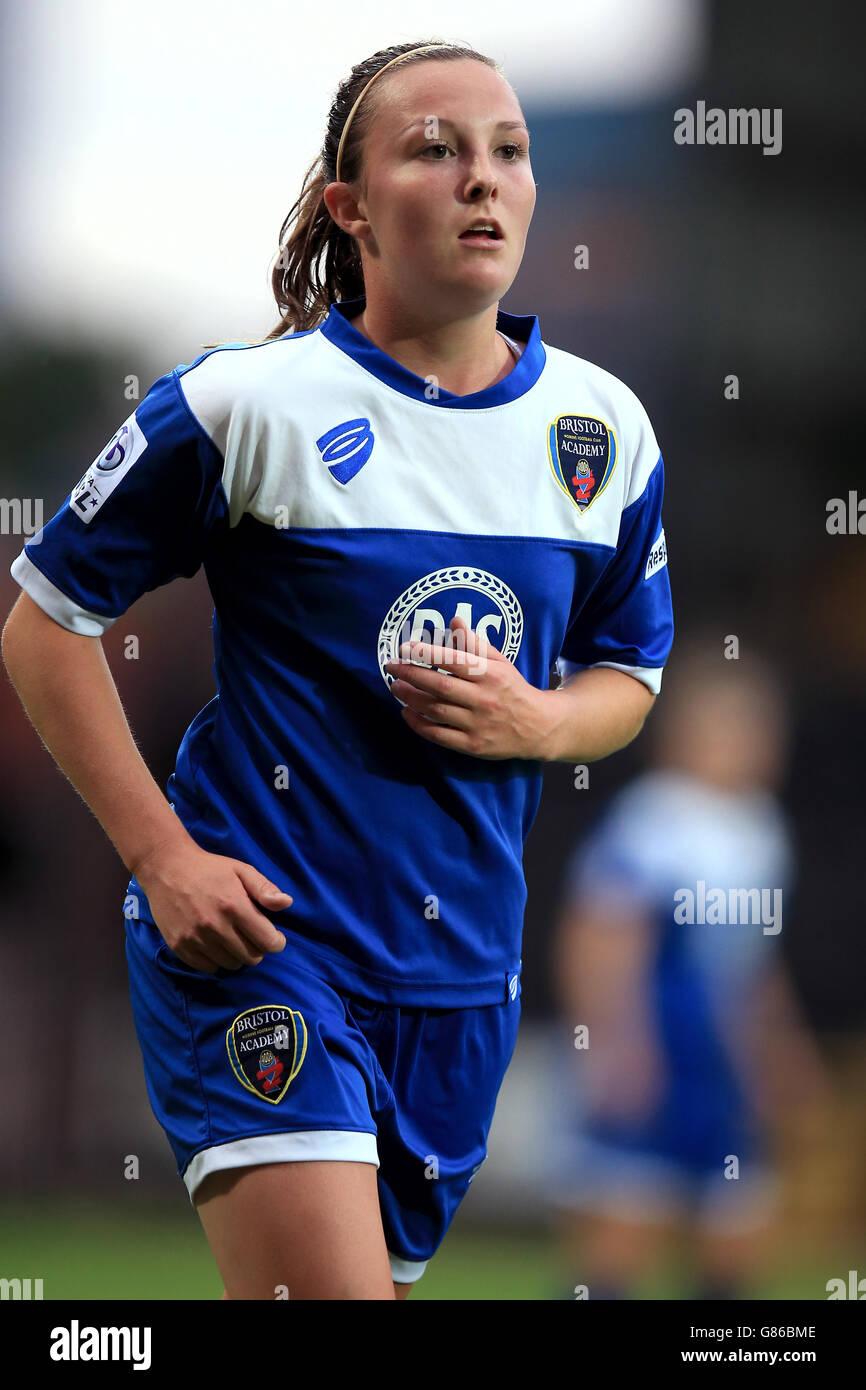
[{"x": 423, "y": 612}]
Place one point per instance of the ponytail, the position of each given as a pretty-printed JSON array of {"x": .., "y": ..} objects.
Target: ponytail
[{"x": 318, "y": 262}]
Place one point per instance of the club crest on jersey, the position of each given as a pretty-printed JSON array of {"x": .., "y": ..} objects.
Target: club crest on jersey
[
  {"x": 423, "y": 613},
  {"x": 346, "y": 448},
  {"x": 266, "y": 1046},
  {"x": 582, "y": 451}
]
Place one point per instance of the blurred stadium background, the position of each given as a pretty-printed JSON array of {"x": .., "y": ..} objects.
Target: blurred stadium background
[{"x": 146, "y": 165}]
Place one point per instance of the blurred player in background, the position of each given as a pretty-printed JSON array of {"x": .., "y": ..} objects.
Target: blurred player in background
[{"x": 679, "y": 982}]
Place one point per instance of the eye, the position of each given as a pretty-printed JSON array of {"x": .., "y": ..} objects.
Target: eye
[{"x": 515, "y": 149}]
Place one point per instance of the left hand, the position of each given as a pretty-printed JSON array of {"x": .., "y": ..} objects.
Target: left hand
[{"x": 480, "y": 705}]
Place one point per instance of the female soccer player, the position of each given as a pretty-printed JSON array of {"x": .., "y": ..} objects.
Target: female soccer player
[
  {"x": 409, "y": 508},
  {"x": 667, "y": 949}
]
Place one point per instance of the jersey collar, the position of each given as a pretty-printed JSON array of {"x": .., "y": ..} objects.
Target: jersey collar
[{"x": 338, "y": 329}]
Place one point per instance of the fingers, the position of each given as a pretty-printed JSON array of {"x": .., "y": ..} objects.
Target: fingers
[
  {"x": 440, "y": 708},
  {"x": 255, "y": 925},
  {"x": 218, "y": 925},
  {"x": 197, "y": 959},
  {"x": 209, "y": 947},
  {"x": 457, "y": 713},
  {"x": 439, "y": 685},
  {"x": 452, "y": 716},
  {"x": 446, "y": 737},
  {"x": 460, "y": 652},
  {"x": 227, "y": 946},
  {"x": 455, "y": 660},
  {"x": 467, "y": 639}
]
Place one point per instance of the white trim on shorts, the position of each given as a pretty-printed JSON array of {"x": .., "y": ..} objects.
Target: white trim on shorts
[
  {"x": 342, "y": 1145},
  {"x": 406, "y": 1271},
  {"x": 338, "y": 1145}
]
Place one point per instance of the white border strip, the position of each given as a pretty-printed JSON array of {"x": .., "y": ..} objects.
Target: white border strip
[
  {"x": 340, "y": 1145},
  {"x": 54, "y": 602},
  {"x": 650, "y": 676},
  {"x": 406, "y": 1271}
]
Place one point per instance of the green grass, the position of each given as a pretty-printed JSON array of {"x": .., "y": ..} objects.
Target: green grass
[
  {"x": 92, "y": 1251},
  {"x": 89, "y": 1251}
]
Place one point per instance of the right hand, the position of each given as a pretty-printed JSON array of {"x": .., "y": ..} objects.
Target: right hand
[{"x": 203, "y": 905}]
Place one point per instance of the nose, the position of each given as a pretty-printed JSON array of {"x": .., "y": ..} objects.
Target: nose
[{"x": 480, "y": 178}]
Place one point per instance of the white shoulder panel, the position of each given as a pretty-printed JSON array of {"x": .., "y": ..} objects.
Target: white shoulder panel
[{"x": 269, "y": 409}]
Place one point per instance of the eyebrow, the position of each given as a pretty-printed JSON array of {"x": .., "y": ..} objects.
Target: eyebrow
[{"x": 444, "y": 120}]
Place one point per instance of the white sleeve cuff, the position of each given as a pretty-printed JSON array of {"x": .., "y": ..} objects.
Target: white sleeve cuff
[
  {"x": 54, "y": 602},
  {"x": 650, "y": 676}
]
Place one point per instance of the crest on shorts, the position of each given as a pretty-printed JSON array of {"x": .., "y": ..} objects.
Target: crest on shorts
[
  {"x": 266, "y": 1047},
  {"x": 582, "y": 452}
]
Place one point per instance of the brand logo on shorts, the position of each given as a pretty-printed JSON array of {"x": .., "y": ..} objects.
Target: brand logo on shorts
[
  {"x": 423, "y": 613},
  {"x": 582, "y": 452},
  {"x": 266, "y": 1047}
]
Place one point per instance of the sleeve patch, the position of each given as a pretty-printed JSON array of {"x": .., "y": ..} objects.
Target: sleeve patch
[
  {"x": 658, "y": 556},
  {"x": 106, "y": 471}
]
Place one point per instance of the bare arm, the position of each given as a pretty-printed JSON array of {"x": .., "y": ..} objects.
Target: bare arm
[
  {"x": 602, "y": 959},
  {"x": 201, "y": 902},
  {"x": 592, "y": 714}
]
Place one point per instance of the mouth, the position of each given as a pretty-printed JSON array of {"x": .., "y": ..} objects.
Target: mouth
[{"x": 483, "y": 232}]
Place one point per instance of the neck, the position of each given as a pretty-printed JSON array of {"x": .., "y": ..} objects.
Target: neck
[{"x": 464, "y": 354}]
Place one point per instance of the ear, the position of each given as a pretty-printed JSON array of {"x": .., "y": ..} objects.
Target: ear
[{"x": 343, "y": 207}]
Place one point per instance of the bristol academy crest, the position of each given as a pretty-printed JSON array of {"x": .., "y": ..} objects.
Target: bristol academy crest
[
  {"x": 266, "y": 1047},
  {"x": 582, "y": 451}
]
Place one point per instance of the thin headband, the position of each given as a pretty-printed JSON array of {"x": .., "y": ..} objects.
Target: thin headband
[{"x": 357, "y": 103}]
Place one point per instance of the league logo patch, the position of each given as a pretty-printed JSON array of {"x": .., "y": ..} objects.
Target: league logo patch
[
  {"x": 266, "y": 1046},
  {"x": 582, "y": 452},
  {"x": 106, "y": 471}
]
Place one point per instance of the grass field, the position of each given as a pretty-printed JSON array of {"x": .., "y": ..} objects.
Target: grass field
[{"x": 85, "y": 1251}]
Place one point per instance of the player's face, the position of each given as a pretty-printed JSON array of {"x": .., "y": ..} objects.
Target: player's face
[
  {"x": 733, "y": 738},
  {"x": 447, "y": 147}
]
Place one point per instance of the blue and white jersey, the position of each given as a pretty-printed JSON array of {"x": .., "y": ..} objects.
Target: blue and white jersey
[
  {"x": 340, "y": 504},
  {"x": 709, "y": 872}
]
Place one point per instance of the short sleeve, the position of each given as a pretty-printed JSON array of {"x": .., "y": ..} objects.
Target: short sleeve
[
  {"x": 626, "y": 622},
  {"x": 143, "y": 514}
]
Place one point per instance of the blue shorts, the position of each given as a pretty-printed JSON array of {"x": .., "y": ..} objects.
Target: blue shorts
[
  {"x": 673, "y": 1161},
  {"x": 627, "y": 1181},
  {"x": 269, "y": 1064}
]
